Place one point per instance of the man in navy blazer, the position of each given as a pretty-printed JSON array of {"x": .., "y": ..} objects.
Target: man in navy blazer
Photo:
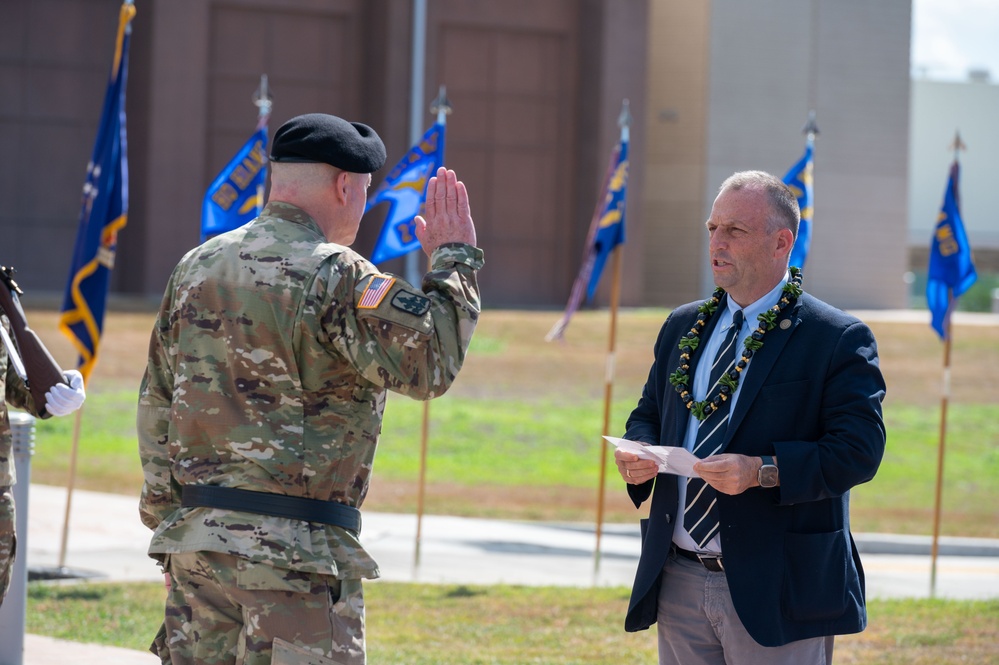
[{"x": 780, "y": 573}]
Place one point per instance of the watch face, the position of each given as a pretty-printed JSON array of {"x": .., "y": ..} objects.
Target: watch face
[{"x": 768, "y": 476}]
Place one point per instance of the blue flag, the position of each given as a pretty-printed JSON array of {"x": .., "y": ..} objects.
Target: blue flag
[
  {"x": 610, "y": 228},
  {"x": 405, "y": 189},
  {"x": 606, "y": 232},
  {"x": 237, "y": 194},
  {"x": 951, "y": 271},
  {"x": 103, "y": 213},
  {"x": 799, "y": 181}
]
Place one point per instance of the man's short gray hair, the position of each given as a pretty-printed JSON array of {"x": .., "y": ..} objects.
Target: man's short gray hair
[{"x": 784, "y": 212}]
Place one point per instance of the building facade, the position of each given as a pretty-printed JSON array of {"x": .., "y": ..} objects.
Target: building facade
[{"x": 536, "y": 87}]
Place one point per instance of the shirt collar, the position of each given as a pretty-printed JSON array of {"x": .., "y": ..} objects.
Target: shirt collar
[{"x": 754, "y": 309}]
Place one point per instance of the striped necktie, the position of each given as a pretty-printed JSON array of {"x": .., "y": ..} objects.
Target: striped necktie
[{"x": 700, "y": 517}]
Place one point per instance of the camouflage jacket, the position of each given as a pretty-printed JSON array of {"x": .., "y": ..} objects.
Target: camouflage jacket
[
  {"x": 268, "y": 369},
  {"x": 16, "y": 394}
]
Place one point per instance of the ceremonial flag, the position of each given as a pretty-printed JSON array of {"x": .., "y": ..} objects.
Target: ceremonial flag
[
  {"x": 799, "y": 181},
  {"x": 237, "y": 194},
  {"x": 405, "y": 188},
  {"x": 951, "y": 270},
  {"x": 610, "y": 228},
  {"x": 606, "y": 233},
  {"x": 103, "y": 213}
]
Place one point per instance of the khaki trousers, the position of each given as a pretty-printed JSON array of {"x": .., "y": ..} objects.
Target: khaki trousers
[{"x": 698, "y": 625}]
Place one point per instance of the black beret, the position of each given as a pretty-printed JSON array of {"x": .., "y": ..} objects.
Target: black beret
[{"x": 319, "y": 137}]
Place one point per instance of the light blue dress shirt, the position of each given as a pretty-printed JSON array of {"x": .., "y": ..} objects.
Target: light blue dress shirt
[{"x": 709, "y": 348}]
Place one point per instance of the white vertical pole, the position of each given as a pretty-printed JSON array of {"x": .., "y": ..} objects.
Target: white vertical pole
[
  {"x": 417, "y": 76},
  {"x": 13, "y": 613}
]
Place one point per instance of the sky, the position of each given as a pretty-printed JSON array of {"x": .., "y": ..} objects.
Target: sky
[{"x": 949, "y": 37}]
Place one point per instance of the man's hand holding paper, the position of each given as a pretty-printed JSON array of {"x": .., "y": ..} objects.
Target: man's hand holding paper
[{"x": 639, "y": 462}]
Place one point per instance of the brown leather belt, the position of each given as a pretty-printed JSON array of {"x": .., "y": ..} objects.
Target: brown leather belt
[{"x": 712, "y": 562}]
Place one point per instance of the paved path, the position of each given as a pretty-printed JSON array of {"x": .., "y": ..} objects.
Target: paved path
[{"x": 107, "y": 540}]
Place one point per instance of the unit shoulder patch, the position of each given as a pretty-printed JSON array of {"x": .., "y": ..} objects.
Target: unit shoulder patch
[{"x": 411, "y": 303}]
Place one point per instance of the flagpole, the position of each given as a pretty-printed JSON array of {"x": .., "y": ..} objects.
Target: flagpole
[
  {"x": 125, "y": 15},
  {"x": 263, "y": 101},
  {"x": 441, "y": 107},
  {"x": 945, "y": 395},
  {"x": 958, "y": 146},
  {"x": 70, "y": 484},
  {"x": 421, "y": 487},
  {"x": 608, "y": 390},
  {"x": 624, "y": 122}
]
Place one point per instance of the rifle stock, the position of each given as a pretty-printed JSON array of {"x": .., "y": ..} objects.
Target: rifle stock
[{"x": 43, "y": 371}]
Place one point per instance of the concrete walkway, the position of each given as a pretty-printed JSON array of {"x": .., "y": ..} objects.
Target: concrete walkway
[{"x": 107, "y": 542}]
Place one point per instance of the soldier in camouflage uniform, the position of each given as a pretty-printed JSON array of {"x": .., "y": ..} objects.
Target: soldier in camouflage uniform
[
  {"x": 60, "y": 400},
  {"x": 263, "y": 397}
]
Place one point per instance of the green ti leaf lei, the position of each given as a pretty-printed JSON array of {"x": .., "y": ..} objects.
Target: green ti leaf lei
[{"x": 727, "y": 384}]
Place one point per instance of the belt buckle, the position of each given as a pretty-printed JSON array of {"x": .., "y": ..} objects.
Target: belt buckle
[{"x": 712, "y": 563}]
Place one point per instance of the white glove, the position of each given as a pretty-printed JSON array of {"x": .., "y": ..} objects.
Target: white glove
[{"x": 62, "y": 399}]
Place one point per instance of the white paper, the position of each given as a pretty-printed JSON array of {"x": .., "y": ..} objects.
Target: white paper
[{"x": 671, "y": 459}]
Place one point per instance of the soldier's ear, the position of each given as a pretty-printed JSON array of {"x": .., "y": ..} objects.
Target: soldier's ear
[{"x": 341, "y": 185}]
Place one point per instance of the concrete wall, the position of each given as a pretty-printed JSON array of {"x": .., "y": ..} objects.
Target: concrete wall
[
  {"x": 772, "y": 61},
  {"x": 676, "y": 161},
  {"x": 939, "y": 110}
]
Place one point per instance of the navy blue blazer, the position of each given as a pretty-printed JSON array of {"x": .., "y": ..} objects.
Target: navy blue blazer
[{"x": 811, "y": 397}]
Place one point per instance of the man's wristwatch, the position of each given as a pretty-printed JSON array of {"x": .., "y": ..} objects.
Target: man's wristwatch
[{"x": 767, "y": 475}]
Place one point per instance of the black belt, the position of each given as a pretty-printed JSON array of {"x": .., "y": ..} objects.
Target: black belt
[
  {"x": 712, "y": 562},
  {"x": 275, "y": 505}
]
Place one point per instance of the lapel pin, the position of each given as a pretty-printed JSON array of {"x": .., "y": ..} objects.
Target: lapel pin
[{"x": 785, "y": 324}]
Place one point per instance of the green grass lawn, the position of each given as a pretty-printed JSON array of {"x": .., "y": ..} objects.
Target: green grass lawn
[
  {"x": 493, "y": 445},
  {"x": 422, "y": 624}
]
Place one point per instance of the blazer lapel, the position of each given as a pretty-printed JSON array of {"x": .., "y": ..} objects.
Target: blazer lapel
[{"x": 760, "y": 367}]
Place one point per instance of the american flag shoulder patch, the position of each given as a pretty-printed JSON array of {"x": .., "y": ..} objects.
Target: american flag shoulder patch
[{"x": 375, "y": 291}]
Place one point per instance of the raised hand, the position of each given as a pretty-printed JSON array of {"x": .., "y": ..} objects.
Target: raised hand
[{"x": 448, "y": 216}]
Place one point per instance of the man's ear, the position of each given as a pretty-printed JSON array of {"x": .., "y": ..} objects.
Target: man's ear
[
  {"x": 341, "y": 186},
  {"x": 785, "y": 242}
]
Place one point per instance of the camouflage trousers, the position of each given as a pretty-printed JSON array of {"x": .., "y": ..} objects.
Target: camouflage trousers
[
  {"x": 8, "y": 543},
  {"x": 225, "y": 609}
]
